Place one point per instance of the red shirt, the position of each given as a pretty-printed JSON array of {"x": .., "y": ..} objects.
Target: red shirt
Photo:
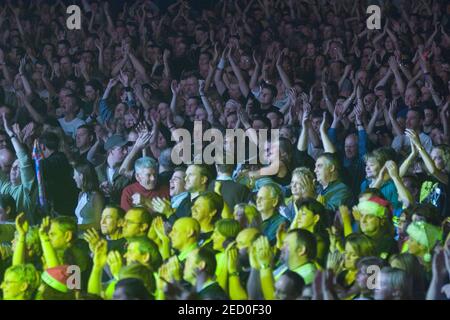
[{"x": 126, "y": 201}]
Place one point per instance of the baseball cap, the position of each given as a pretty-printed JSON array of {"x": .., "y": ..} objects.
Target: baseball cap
[{"x": 115, "y": 141}]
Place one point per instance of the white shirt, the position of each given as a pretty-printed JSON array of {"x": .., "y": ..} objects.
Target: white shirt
[
  {"x": 70, "y": 127},
  {"x": 110, "y": 173},
  {"x": 81, "y": 203},
  {"x": 402, "y": 143}
]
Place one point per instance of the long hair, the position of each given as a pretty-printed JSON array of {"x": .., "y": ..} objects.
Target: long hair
[{"x": 89, "y": 181}]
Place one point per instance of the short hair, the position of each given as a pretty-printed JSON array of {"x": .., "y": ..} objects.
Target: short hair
[
  {"x": 226, "y": 168},
  {"x": 264, "y": 120},
  {"x": 89, "y": 128},
  {"x": 419, "y": 111},
  {"x": 134, "y": 289},
  {"x": 332, "y": 159},
  {"x": 306, "y": 239},
  {"x": 297, "y": 283},
  {"x": 275, "y": 191},
  {"x": 277, "y": 113},
  {"x": 139, "y": 271},
  {"x": 26, "y": 273},
  {"x": 316, "y": 208},
  {"x": 271, "y": 87},
  {"x": 67, "y": 224},
  {"x": 146, "y": 245},
  {"x": 118, "y": 209},
  {"x": 215, "y": 201},
  {"x": 145, "y": 163},
  {"x": 229, "y": 228},
  {"x": 94, "y": 84},
  {"x": 50, "y": 140},
  {"x": 204, "y": 171},
  {"x": 209, "y": 257},
  {"x": 144, "y": 214}
]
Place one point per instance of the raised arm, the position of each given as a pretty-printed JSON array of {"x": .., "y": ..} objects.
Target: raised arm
[
  {"x": 327, "y": 144},
  {"x": 218, "y": 81},
  {"x": 32, "y": 111},
  {"x": 408, "y": 161},
  {"x": 403, "y": 194},
  {"x": 22, "y": 227},
  {"x": 138, "y": 66},
  {"x": 429, "y": 163},
  {"x": 302, "y": 144},
  {"x": 205, "y": 101},
  {"x": 49, "y": 253},
  {"x": 392, "y": 118},
  {"x": 283, "y": 75},
  {"x": 398, "y": 78},
  {"x": 255, "y": 75},
  {"x": 243, "y": 86}
]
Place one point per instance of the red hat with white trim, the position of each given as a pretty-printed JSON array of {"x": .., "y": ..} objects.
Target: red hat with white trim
[{"x": 56, "y": 278}]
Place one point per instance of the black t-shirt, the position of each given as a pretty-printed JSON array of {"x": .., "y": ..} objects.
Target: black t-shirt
[{"x": 257, "y": 109}]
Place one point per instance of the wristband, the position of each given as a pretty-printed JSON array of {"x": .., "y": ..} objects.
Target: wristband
[
  {"x": 234, "y": 274},
  {"x": 221, "y": 64}
]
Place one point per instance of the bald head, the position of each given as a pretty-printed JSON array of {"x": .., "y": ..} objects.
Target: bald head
[
  {"x": 351, "y": 146},
  {"x": 185, "y": 233}
]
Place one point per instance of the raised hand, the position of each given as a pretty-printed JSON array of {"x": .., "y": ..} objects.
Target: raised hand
[
  {"x": 92, "y": 237},
  {"x": 6, "y": 125},
  {"x": 115, "y": 263},
  {"x": 263, "y": 252},
  {"x": 232, "y": 258},
  {"x": 160, "y": 229},
  {"x": 413, "y": 137},
  {"x": 123, "y": 77},
  {"x": 22, "y": 225},
  {"x": 100, "y": 253},
  {"x": 324, "y": 122},
  {"x": 162, "y": 206},
  {"x": 44, "y": 228},
  {"x": 392, "y": 168},
  {"x": 335, "y": 261},
  {"x": 175, "y": 87},
  {"x": 112, "y": 82}
]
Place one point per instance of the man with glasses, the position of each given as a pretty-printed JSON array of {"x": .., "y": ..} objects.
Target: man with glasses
[
  {"x": 111, "y": 182},
  {"x": 268, "y": 201},
  {"x": 20, "y": 282}
]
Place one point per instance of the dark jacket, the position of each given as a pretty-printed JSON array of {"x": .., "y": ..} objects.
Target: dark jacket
[
  {"x": 60, "y": 188},
  {"x": 213, "y": 292},
  {"x": 232, "y": 192},
  {"x": 119, "y": 183}
]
